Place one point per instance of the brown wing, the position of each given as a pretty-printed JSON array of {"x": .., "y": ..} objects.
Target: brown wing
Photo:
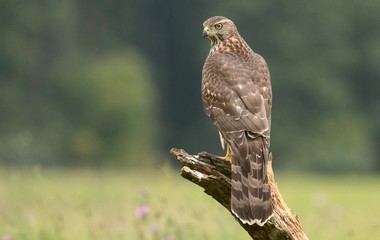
[{"x": 237, "y": 97}]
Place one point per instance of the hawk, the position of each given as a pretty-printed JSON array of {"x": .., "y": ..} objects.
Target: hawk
[{"x": 237, "y": 96}]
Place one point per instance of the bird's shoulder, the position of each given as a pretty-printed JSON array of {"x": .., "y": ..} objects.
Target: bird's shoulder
[{"x": 235, "y": 68}]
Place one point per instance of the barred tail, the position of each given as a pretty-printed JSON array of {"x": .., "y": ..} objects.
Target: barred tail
[{"x": 250, "y": 192}]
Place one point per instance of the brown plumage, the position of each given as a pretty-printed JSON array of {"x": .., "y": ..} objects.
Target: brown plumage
[{"x": 237, "y": 96}]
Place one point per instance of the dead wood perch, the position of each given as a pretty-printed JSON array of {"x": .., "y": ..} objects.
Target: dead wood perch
[{"x": 214, "y": 175}]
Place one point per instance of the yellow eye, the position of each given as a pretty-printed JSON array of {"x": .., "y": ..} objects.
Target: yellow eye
[{"x": 218, "y": 26}]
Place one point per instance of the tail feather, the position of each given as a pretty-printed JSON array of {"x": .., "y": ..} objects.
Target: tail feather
[{"x": 250, "y": 192}]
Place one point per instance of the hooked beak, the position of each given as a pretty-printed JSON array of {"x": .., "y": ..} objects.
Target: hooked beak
[{"x": 206, "y": 32}]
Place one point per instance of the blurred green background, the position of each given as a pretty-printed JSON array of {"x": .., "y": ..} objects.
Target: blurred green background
[{"x": 115, "y": 84}]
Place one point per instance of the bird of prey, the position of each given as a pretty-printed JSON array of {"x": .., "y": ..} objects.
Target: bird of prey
[{"x": 237, "y": 96}]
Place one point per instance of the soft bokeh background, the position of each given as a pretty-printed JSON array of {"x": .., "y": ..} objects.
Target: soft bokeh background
[{"x": 104, "y": 85}]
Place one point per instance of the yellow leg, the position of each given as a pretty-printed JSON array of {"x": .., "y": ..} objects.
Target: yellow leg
[
  {"x": 223, "y": 142},
  {"x": 228, "y": 156}
]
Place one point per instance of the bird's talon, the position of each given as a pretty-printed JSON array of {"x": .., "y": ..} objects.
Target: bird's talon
[{"x": 228, "y": 156}]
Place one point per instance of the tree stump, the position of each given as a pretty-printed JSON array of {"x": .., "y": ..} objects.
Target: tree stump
[{"x": 214, "y": 175}]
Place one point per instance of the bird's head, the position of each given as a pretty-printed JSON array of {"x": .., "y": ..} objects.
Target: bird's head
[{"x": 218, "y": 28}]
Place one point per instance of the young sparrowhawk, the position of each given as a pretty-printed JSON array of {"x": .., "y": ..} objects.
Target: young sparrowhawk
[{"x": 237, "y": 96}]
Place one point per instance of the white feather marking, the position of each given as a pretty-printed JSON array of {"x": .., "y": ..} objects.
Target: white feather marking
[
  {"x": 222, "y": 141},
  {"x": 253, "y": 221}
]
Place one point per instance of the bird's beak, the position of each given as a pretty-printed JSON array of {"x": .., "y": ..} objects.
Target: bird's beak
[{"x": 206, "y": 32}]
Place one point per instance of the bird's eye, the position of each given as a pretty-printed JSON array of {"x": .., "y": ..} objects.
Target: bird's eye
[{"x": 218, "y": 26}]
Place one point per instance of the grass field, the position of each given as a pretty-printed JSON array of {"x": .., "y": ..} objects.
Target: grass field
[{"x": 45, "y": 204}]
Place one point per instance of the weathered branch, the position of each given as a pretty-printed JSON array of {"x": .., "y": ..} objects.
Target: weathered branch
[{"x": 214, "y": 175}]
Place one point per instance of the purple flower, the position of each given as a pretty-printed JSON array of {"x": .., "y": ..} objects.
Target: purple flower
[
  {"x": 6, "y": 237},
  {"x": 142, "y": 211}
]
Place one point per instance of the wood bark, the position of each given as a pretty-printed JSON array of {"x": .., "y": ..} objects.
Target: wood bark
[{"x": 213, "y": 174}]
